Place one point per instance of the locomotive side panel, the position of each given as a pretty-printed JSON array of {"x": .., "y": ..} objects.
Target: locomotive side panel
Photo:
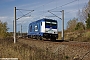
[
  {"x": 34, "y": 29},
  {"x": 43, "y": 26}
]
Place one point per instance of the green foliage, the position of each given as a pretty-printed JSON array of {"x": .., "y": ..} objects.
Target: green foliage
[
  {"x": 88, "y": 22},
  {"x": 80, "y": 26},
  {"x": 3, "y": 29}
]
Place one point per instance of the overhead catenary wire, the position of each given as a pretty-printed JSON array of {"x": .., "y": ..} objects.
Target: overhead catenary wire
[
  {"x": 24, "y": 9},
  {"x": 58, "y": 7},
  {"x": 50, "y": 9},
  {"x": 30, "y": 10},
  {"x": 47, "y": 4},
  {"x": 53, "y": 10},
  {"x": 54, "y": 14},
  {"x": 25, "y": 14},
  {"x": 64, "y": 5},
  {"x": 45, "y": 12},
  {"x": 21, "y": 12},
  {"x": 43, "y": 9}
]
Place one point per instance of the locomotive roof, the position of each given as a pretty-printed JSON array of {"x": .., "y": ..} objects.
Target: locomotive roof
[
  {"x": 46, "y": 19},
  {"x": 43, "y": 20}
]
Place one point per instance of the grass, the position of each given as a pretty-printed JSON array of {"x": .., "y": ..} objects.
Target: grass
[
  {"x": 81, "y": 36},
  {"x": 24, "y": 52}
]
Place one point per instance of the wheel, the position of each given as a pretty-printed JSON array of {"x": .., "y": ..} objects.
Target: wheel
[
  {"x": 37, "y": 38},
  {"x": 40, "y": 37},
  {"x": 28, "y": 36}
]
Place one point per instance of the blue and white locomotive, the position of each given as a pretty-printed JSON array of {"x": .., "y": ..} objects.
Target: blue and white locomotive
[{"x": 43, "y": 28}]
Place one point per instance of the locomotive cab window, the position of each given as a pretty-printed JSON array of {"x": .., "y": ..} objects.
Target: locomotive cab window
[
  {"x": 36, "y": 28},
  {"x": 54, "y": 23},
  {"x": 51, "y": 23},
  {"x": 48, "y": 22},
  {"x": 41, "y": 23},
  {"x": 30, "y": 28}
]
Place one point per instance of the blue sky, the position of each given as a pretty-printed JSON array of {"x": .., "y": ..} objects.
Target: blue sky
[{"x": 40, "y": 8}]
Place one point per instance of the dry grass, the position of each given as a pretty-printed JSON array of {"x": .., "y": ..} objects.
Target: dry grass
[
  {"x": 24, "y": 52},
  {"x": 28, "y": 52},
  {"x": 81, "y": 36}
]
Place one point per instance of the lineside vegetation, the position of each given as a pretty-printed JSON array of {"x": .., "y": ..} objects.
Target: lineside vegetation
[{"x": 3, "y": 29}]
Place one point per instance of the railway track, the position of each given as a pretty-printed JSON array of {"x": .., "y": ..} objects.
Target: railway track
[{"x": 63, "y": 42}]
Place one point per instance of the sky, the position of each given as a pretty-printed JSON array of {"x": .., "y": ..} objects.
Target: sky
[{"x": 41, "y": 8}]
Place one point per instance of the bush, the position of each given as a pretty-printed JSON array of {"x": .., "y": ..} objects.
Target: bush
[
  {"x": 3, "y": 29},
  {"x": 80, "y": 26},
  {"x": 88, "y": 22}
]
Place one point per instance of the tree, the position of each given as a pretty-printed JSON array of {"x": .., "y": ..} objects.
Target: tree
[
  {"x": 71, "y": 24},
  {"x": 83, "y": 14},
  {"x": 81, "y": 17},
  {"x": 88, "y": 22},
  {"x": 3, "y": 29},
  {"x": 86, "y": 11},
  {"x": 80, "y": 26}
]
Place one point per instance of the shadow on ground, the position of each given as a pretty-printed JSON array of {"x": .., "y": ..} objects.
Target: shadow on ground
[{"x": 57, "y": 40}]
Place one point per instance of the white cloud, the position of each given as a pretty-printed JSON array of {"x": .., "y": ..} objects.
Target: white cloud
[
  {"x": 6, "y": 18},
  {"x": 3, "y": 18}
]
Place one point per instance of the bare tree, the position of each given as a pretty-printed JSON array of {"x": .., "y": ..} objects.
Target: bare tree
[
  {"x": 71, "y": 24},
  {"x": 85, "y": 11}
]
